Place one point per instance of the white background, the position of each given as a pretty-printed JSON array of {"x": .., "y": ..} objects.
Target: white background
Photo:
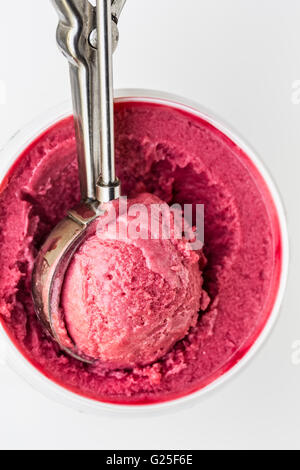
[{"x": 240, "y": 59}]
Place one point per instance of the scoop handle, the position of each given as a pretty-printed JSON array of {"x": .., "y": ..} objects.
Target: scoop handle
[
  {"x": 116, "y": 8},
  {"x": 108, "y": 186},
  {"x": 77, "y": 39}
]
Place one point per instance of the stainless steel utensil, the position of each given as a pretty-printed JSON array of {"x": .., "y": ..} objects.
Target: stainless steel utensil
[{"x": 87, "y": 36}]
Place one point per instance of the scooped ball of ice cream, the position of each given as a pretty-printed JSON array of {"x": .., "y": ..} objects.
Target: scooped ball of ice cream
[{"x": 128, "y": 299}]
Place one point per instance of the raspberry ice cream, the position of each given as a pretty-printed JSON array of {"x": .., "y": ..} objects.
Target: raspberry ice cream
[
  {"x": 186, "y": 338},
  {"x": 127, "y": 303}
]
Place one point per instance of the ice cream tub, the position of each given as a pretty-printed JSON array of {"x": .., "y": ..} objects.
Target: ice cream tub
[{"x": 182, "y": 153}]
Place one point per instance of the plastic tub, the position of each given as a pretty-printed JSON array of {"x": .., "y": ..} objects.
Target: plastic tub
[{"x": 10, "y": 355}]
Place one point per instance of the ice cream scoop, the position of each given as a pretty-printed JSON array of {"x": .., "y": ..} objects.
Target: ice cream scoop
[
  {"x": 87, "y": 36},
  {"x": 128, "y": 300}
]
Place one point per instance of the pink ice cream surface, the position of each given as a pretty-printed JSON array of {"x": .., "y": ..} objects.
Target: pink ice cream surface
[
  {"x": 179, "y": 158},
  {"x": 127, "y": 303}
]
